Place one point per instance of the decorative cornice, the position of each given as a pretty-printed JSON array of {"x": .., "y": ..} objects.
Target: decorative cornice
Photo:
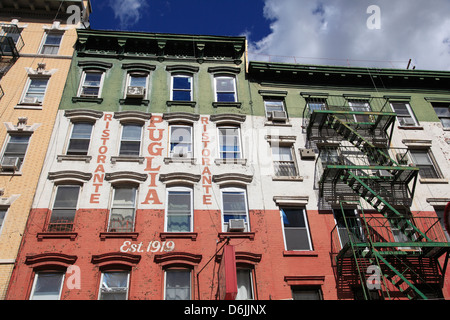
[
  {"x": 138, "y": 67},
  {"x": 121, "y": 176},
  {"x": 116, "y": 258},
  {"x": 83, "y": 114},
  {"x": 291, "y": 200},
  {"x": 232, "y": 178},
  {"x": 224, "y": 69},
  {"x": 132, "y": 116},
  {"x": 95, "y": 64},
  {"x": 50, "y": 258},
  {"x": 69, "y": 175},
  {"x": 228, "y": 117},
  {"x": 180, "y": 116},
  {"x": 182, "y": 68},
  {"x": 179, "y": 177}
]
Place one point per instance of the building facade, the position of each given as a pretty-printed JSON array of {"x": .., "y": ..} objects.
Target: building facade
[
  {"x": 168, "y": 147},
  {"x": 36, "y": 52}
]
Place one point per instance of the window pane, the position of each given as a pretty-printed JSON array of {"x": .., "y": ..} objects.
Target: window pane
[
  {"x": 178, "y": 285},
  {"x": 400, "y": 109},
  {"x": 445, "y": 122},
  {"x": 114, "y": 286},
  {"x": 225, "y": 97},
  {"x": 293, "y": 218},
  {"x": 53, "y": 39},
  {"x": 66, "y": 197},
  {"x": 225, "y": 84},
  {"x": 305, "y": 293},
  {"x": 131, "y": 132},
  {"x": 182, "y": 83},
  {"x": 124, "y": 197},
  {"x": 47, "y": 286},
  {"x": 234, "y": 202},
  {"x": 282, "y": 153},
  {"x": 180, "y": 134},
  {"x": 179, "y": 202},
  {"x": 92, "y": 79},
  {"x": 82, "y": 130},
  {"x": 442, "y": 111},
  {"x": 138, "y": 81},
  {"x": 244, "y": 284},
  {"x": 2, "y": 216}
]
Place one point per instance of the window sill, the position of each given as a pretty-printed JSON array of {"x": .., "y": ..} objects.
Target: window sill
[
  {"x": 135, "y": 101},
  {"x": 118, "y": 235},
  {"x": 411, "y": 128},
  {"x": 237, "y": 235},
  {"x": 28, "y": 106},
  {"x": 296, "y": 178},
  {"x": 10, "y": 173},
  {"x": 227, "y": 104},
  {"x": 87, "y": 99},
  {"x": 57, "y": 235},
  {"x": 178, "y": 235},
  {"x": 231, "y": 161},
  {"x": 168, "y": 160},
  {"x": 278, "y": 124},
  {"x": 433, "y": 180},
  {"x": 171, "y": 103},
  {"x": 115, "y": 159},
  {"x": 293, "y": 253},
  {"x": 64, "y": 157}
]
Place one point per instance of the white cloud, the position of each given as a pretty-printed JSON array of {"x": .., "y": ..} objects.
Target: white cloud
[
  {"x": 332, "y": 31},
  {"x": 127, "y": 11}
]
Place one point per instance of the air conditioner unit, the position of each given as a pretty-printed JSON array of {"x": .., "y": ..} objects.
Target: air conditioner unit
[
  {"x": 236, "y": 225},
  {"x": 31, "y": 100},
  {"x": 278, "y": 116},
  {"x": 307, "y": 154},
  {"x": 407, "y": 122},
  {"x": 10, "y": 163},
  {"x": 135, "y": 92}
]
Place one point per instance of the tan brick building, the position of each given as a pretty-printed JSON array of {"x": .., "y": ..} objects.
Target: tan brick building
[{"x": 37, "y": 39}]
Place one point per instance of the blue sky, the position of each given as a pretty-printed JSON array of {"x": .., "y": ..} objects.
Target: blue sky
[{"x": 331, "y": 32}]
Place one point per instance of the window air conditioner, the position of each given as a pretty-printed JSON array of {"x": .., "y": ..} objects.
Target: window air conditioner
[
  {"x": 278, "y": 116},
  {"x": 10, "y": 163},
  {"x": 31, "y": 100},
  {"x": 407, "y": 122},
  {"x": 135, "y": 92},
  {"x": 236, "y": 225}
]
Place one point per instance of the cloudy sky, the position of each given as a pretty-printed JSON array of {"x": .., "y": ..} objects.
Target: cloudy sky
[{"x": 368, "y": 33}]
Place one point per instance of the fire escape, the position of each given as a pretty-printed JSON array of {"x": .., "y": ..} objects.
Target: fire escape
[
  {"x": 357, "y": 169},
  {"x": 11, "y": 43}
]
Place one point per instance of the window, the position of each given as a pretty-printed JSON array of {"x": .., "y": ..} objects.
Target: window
[
  {"x": 316, "y": 104},
  {"x": 177, "y": 284},
  {"x": 80, "y": 138},
  {"x": 130, "y": 143},
  {"x": 122, "y": 210},
  {"x": 225, "y": 89},
  {"x": 424, "y": 161},
  {"x": 283, "y": 162},
  {"x": 234, "y": 206},
  {"x": 296, "y": 231},
  {"x": 64, "y": 208},
  {"x": 181, "y": 88},
  {"x": 443, "y": 112},
  {"x": 244, "y": 284},
  {"x": 440, "y": 214},
  {"x": 2, "y": 217},
  {"x": 47, "y": 286},
  {"x": 137, "y": 85},
  {"x": 306, "y": 293},
  {"x": 51, "y": 43},
  {"x": 179, "y": 210},
  {"x": 35, "y": 91},
  {"x": 15, "y": 151},
  {"x": 91, "y": 83},
  {"x": 181, "y": 141},
  {"x": 114, "y": 285},
  {"x": 350, "y": 218},
  {"x": 275, "y": 109},
  {"x": 404, "y": 113},
  {"x": 229, "y": 143},
  {"x": 360, "y": 106},
  {"x": 329, "y": 155}
]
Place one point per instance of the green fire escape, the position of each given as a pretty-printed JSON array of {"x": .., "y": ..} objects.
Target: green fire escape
[{"x": 357, "y": 168}]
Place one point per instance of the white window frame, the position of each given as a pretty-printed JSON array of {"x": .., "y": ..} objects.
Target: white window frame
[
  {"x": 36, "y": 276},
  {"x": 271, "y": 99},
  {"x": 72, "y": 126},
  {"x": 6, "y": 209},
  {"x": 442, "y": 117},
  {"x": 111, "y": 206},
  {"x": 219, "y": 76},
  {"x": 357, "y": 218},
  {"x": 293, "y": 159},
  {"x": 252, "y": 289},
  {"x": 121, "y": 138},
  {"x": 27, "y": 88},
  {"x": 101, "y": 282},
  {"x": 241, "y": 154},
  {"x": 177, "y": 270},
  {"x": 305, "y": 217},
  {"x": 360, "y": 105},
  {"x": 432, "y": 161},
  {"x": 5, "y": 146},
  {"x": 55, "y": 192},
  {"x": 166, "y": 211},
  {"x": 229, "y": 190},
  {"x": 189, "y": 154},
  {"x": 410, "y": 112},
  {"x": 44, "y": 40},
  {"x": 128, "y": 82},
  {"x": 182, "y": 75},
  {"x": 83, "y": 79}
]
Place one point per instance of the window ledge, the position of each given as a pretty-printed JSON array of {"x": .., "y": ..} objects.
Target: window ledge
[
  {"x": 119, "y": 235},
  {"x": 10, "y": 173},
  {"x": 178, "y": 235},
  {"x": 57, "y": 235},
  {"x": 87, "y": 99},
  {"x": 278, "y": 124},
  {"x": 28, "y": 106},
  {"x": 231, "y": 161},
  {"x": 411, "y": 128},
  {"x": 237, "y": 235},
  {"x": 115, "y": 159},
  {"x": 65, "y": 157},
  {"x": 227, "y": 104},
  {"x": 433, "y": 180},
  {"x": 168, "y": 160},
  {"x": 134, "y": 101},
  {"x": 296, "y": 178},
  {"x": 170, "y": 103},
  {"x": 293, "y": 253}
]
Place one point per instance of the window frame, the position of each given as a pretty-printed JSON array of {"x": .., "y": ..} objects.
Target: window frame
[
  {"x": 251, "y": 284},
  {"x": 121, "y": 141},
  {"x": 247, "y": 218},
  {"x": 73, "y": 124},
  {"x": 35, "y": 280},
  {"x": 274, "y": 99},
  {"x": 178, "y": 269},
  {"x": 27, "y": 88},
  {"x": 190, "y": 90},
  {"x": 305, "y": 220},
  {"x": 132, "y": 74},
  {"x": 83, "y": 80},
  {"x": 442, "y": 105},
  {"x": 118, "y": 271},
  {"x": 410, "y": 113},
  {"x": 216, "y": 92},
  {"x": 293, "y": 160},
  {"x": 189, "y": 154},
  {"x": 219, "y": 141},
  {"x": 311, "y": 288},
  {"x": 191, "y": 214},
  {"x": 432, "y": 160},
  {"x": 5, "y": 147},
  {"x": 55, "y": 193},
  {"x": 44, "y": 40},
  {"x": 112, "y": 206},
  {"x": 2, "y": 220}
]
